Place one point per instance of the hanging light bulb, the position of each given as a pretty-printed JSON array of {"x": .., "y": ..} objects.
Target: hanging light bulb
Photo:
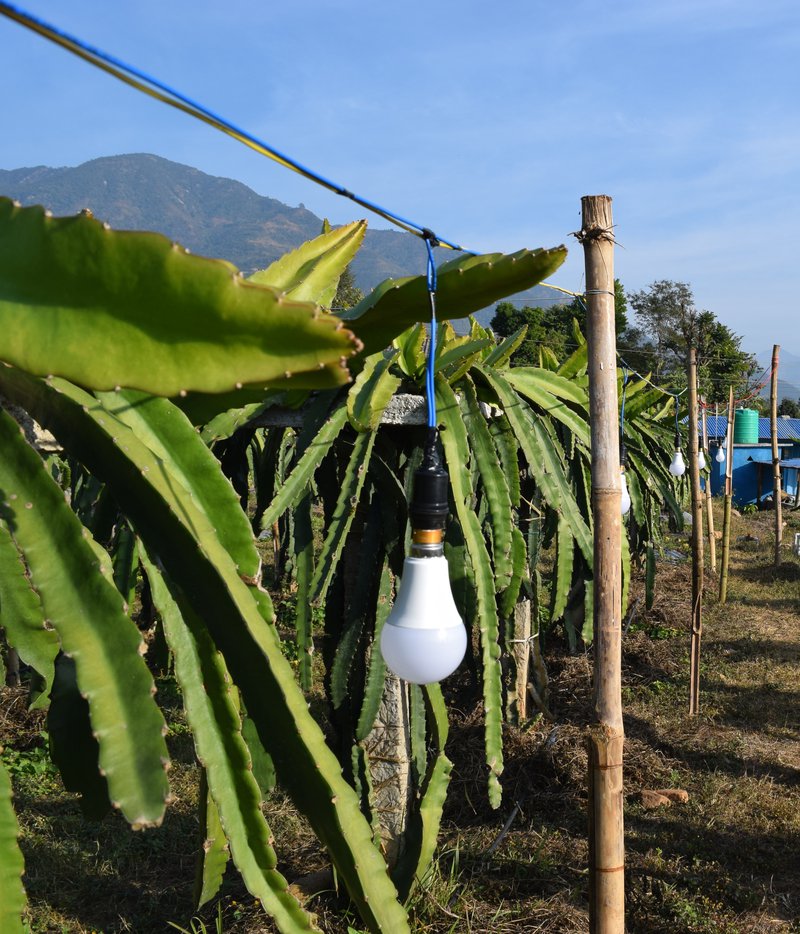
[
  {"x": 677, "y": 466},
  {"x": 701, "y": 460},
  {"x": 424, "y": 638},
  {"x": 719, "y": 457},
  {"x": 626, "y": 496}
]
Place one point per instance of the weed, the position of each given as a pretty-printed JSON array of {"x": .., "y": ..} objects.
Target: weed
[{"x": 198, "y": 926}]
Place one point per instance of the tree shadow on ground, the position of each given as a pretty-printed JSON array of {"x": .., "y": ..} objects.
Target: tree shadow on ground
[{"x": 709, "y": 759}]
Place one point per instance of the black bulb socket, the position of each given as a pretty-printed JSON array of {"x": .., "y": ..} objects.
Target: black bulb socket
[{"x": 429, "y": 505}]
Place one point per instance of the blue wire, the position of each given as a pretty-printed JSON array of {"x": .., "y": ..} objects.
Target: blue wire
[
  {"x": 129, "y": 74},
  {"x": 622, "y": 409},
  {"x": 430, "y": 389}
]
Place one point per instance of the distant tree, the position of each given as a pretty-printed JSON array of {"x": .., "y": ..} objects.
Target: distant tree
[
  {"x": 508, "y": 319},
  {"x": 670, "y": 321},
  {"x": 347, "y": 293},
  {"x": 550, "y": 327},
  {"x": 789, "y": 407}
]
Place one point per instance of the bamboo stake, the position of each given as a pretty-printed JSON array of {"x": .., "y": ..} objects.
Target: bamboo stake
[
  {"x": 712, "y": 542},
  {"x": 697, "y": 540},
  {"x": 606, "y": 735},
  {"x": 776, "y": 454},
  {"x": 726, "y": 519}
]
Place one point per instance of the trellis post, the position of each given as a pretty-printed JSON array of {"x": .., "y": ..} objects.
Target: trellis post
[
  {"x": 697, "y": 540},
  {"x": 605, "y": 736},
  {"x": 726, "y": 517},
  {"x": 776, "y": 454},
  {"x": 712, "y": 541}
]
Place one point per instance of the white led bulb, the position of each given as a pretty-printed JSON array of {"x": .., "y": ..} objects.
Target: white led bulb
[{"x": 424, "y": 639}]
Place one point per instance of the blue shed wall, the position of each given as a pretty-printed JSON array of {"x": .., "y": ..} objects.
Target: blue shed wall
[{"x": 745, "y": 473}]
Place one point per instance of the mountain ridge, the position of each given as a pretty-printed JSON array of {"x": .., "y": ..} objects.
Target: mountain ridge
[{"x": 211, "y": 215}]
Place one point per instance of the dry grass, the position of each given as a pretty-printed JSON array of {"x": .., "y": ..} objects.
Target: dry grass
[{"x": 724, "y": 862}]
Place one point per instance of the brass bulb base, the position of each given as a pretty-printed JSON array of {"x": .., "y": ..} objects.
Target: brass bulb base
[{"x": 427, "y": 536}]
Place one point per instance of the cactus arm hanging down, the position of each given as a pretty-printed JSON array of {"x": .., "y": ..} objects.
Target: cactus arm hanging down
[
  {"x": 637, "y": 501},
  {"x": 22, "y": 616},
  {"x": 171, "y": 437},
  {"x": 423, "y": 830},
  {"x": 371, "y": 392},
  {"x": 576, "y": 363},
  {"x": 411, "y": 343},
  {"x": 12, "y": 865},
  {"x": 304, "y": 571},
  {"x": 456, "y": 450},
  {"x": 562, "y": 578},
  {"x": 493, "y": 481},
  {"x": 626, "y": 571},
  {"x": 171, "y": 525},
  {"x": 342, "y": 519},
  {"x": 543, "y": 459},
  {"x": 508, "y": 452},
  {"x": 213, "y": 713},
  {"x": 107, "y": 308},
  {"x": 311, "y": 272},
  {"x": 214, "y": 859},
  {"x": 547, "y": 391},
  {"x": 297, "y": 482},
  {"x": 501, "y": 354},
  {"x": 86, "y": 610},
  {"x": 376, "y": 666},
  {"x": 519, "y": 562},
  {"x": 464, "y": 285},
  {"x": 73, "y": 748}
]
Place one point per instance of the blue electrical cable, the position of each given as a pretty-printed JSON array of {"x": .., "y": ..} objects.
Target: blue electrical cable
[
  {"x": 430, "y": 388},
  {"x": 622, "y": 414},
  {"x": 138, "y": 79}
]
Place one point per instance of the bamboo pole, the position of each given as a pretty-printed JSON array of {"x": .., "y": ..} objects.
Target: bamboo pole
[
  {"x": 776, "y": 454},
  {"x": 697, "y": 540},
  {"x": 712, "y": 542},
  {"x": 726, "y": 518},
  {"x": 606, "y": 735}
]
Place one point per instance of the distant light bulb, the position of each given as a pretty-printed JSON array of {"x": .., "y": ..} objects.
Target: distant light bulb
[
  {"x": 424, "y": 639},
  {"x": 677, "y": 466},
  {"x": 719, "y": 457},
  {"x": 626, "y": 496},
  {"x": 701, "y": 460}
]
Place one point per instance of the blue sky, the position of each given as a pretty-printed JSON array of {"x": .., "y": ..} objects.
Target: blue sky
[{"x": 486, "y": 124}]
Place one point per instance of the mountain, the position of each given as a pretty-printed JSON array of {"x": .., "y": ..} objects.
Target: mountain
[
  {"x": 211, "y": 216},
  {"x": 788, "y": 374}
]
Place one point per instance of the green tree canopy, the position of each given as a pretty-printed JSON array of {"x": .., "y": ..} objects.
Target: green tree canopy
[
  {"x": 790, "y": 407},
  {"x": 551, "y": 327},
  {"x": 669, "y": 322}
]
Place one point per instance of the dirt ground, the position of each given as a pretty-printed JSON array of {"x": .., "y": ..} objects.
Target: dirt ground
[{"x": 725, "y": 860}]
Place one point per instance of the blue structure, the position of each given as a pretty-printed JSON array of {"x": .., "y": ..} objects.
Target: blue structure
[
  {"x": 752, "y": 463},
  {"x": 788, "y": 431}
]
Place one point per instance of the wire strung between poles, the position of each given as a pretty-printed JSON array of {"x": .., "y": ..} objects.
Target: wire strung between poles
[{"x": 156, "y": 89}]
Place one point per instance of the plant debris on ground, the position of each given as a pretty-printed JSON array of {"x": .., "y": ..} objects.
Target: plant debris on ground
[{"x": 723, "y": 861}]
